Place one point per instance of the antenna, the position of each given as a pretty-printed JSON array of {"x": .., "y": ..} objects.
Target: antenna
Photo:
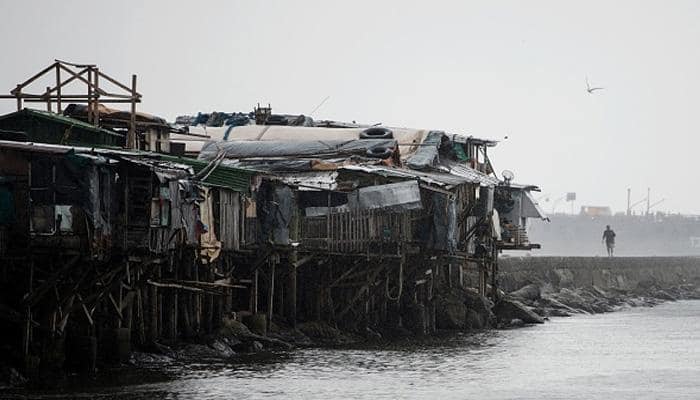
[{"x": 319, "y": 105}]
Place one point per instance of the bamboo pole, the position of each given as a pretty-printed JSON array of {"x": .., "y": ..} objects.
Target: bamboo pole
[
  {"x": 271, "y": 294},
  {"x": 89, "y": 95},
  {"x": 48, "y": 100},
  {"x": 58, "y": 92},
  {"x": 132, "y": 142},
  {"x": 96, "y": 105}
]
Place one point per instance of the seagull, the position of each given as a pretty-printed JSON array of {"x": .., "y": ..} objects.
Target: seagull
[{"x": 590, "y": 89}]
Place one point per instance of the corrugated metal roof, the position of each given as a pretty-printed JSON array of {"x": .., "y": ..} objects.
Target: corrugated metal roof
[
  {"x": 311, "y": 180},
  {"x": 228, "y": 177},
  {"x": 62, "y": 119},
  {"x": 444, "y": 179},
  {"x": 232, "y": 178},
  {"x": 35, "y": 147},
  {"x": 469, "y": 173}
]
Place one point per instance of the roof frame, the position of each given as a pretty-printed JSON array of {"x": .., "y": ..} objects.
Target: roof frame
[{"x": 89, "y": 75}]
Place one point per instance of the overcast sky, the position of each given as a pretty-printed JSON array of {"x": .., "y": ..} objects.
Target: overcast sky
[{"x": 488, "y": 68}]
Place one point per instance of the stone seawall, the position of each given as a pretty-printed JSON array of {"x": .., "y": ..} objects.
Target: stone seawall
[
  {"x": 624, "y": 273},
  {"x": 535, "y": 288}
]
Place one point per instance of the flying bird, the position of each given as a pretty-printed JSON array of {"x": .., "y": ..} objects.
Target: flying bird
[{"x": 590, "y": 89}]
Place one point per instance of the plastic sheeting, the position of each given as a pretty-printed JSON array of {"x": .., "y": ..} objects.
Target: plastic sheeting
[
  {"x": 529, "y": 207},
  {"x": 314, "y": 148},
  {"x": 321, "y": 180},
  {"x": 284, "y": 208},
  {"x": 405, "y": 136},
  {"x": 444, "y": 223},
  {"x": 275, "y": 207},
  {"x": 427, "y": 155},
  {"x": 401, "y": 196},
  {"x": 210, "y": 245}
]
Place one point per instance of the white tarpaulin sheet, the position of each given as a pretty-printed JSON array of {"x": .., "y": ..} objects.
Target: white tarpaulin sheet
[
  {"x": 401, "y": 195},
  {"x": 529, "y": 207}
]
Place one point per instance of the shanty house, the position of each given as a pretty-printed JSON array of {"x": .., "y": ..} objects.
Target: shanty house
[{"x": 45, "y": 127}]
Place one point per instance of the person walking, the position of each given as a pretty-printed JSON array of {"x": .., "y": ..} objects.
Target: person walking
[{"x": 609, "y": 239}]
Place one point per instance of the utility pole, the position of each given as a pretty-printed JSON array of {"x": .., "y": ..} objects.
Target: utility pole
[
  {"x": 648, "y": 200},
  {"x": 629, "y": 193}
]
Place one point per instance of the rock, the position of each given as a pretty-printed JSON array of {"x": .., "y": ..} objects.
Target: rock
[
  {"x": 562, "y": 277},
  {"x": 507, "y": 310},
  {"x": 451, "y": 316},
  {"x": 554, "y": 304},
  {"x": 479, "y": 305},
  {"x": 319, "y": 330},
  {"x": 223, "y": 349},
  {"x": 139, "y": 358},
  {"x": 573, "y": 299},
  {"x": 256, "y": 346},
  {"x": 516, "y": 322},
  {"x": 663, "y": 295},
  {"x": 322, "y": 332},
  {"x": 241, "y": 337},
  {"x": 553, "y": 312},
  {"x": 193, "y": 351},
  {"x": 527, "y": 292},
  {"x": 414, "y": 318},
  {"x": 231, "y": 327},
  {"x": 257, "y": 323},
  {"x": 291, "y": 335},
  {"x": 646, "y": 284},
  {"x": 10, "y": 377},
  {"x": 475, "y": 321}
]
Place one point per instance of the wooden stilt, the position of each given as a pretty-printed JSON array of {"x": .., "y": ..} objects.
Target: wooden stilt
[
  {"x": 271, "y": 293},
  {"x": 290, "y": 300}
]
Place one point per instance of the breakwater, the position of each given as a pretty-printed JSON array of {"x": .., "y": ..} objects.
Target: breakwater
[
  {"x": 534, "y": 288},
  {"x": 624, "y": 273}
]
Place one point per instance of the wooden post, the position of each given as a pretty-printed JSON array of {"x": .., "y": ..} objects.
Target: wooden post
[
  {"x": 319, "y": 292},
  {"x": 96, "y": 106},
  {"x": 197, "y": 299},
  {"x": 290, "y": 300},
  {"x": 132, "y": 142},
  {"x": 58, "y": 90},
  {"x": 254, "y": 293},
  {"x": 141, "y": 327},
  {"x": 18, "y": 93},
  {"x": 494, "y": 275},
  {"x": 271, "y": 292},
  {"x": 48, "y": 99},
  {"x": 89, "y": 95},
  {"x": 482, "y": 278},
  {"x": 27, "y": 334},
  {"x": 208, "y": 300}
]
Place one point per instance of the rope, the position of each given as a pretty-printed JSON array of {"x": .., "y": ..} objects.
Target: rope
[{"x": 386, "y": 287}]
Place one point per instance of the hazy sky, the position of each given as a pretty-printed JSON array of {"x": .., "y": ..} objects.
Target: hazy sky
[{"x": 489, "y": 69}]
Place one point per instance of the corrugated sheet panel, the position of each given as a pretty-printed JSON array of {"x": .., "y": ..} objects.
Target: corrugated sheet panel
[{"x": 232, "y": 178}]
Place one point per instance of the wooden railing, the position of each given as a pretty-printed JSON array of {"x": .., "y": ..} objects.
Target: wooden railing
[{"x": 356, "y": 231}]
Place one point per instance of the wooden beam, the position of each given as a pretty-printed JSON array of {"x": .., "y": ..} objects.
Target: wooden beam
[
  {"x": 303, "y": 261},
  {"x": 59, "y": 108},
  {"x": 74, "y": 64},
  {"x": 121, "y": 85},
  {"x": 81, "y": 100},
  {"x": 33, "y": 78}
]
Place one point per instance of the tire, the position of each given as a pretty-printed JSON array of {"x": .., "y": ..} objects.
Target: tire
[
  {"x": 380, "y": 152},
  {"x": 377, "y": 133}
]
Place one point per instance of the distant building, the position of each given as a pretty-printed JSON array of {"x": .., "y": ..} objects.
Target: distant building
[{"x": 596, "y": 211}]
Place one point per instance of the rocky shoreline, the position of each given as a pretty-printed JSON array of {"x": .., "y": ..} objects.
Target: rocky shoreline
[{"x": 458, "y": 309}]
